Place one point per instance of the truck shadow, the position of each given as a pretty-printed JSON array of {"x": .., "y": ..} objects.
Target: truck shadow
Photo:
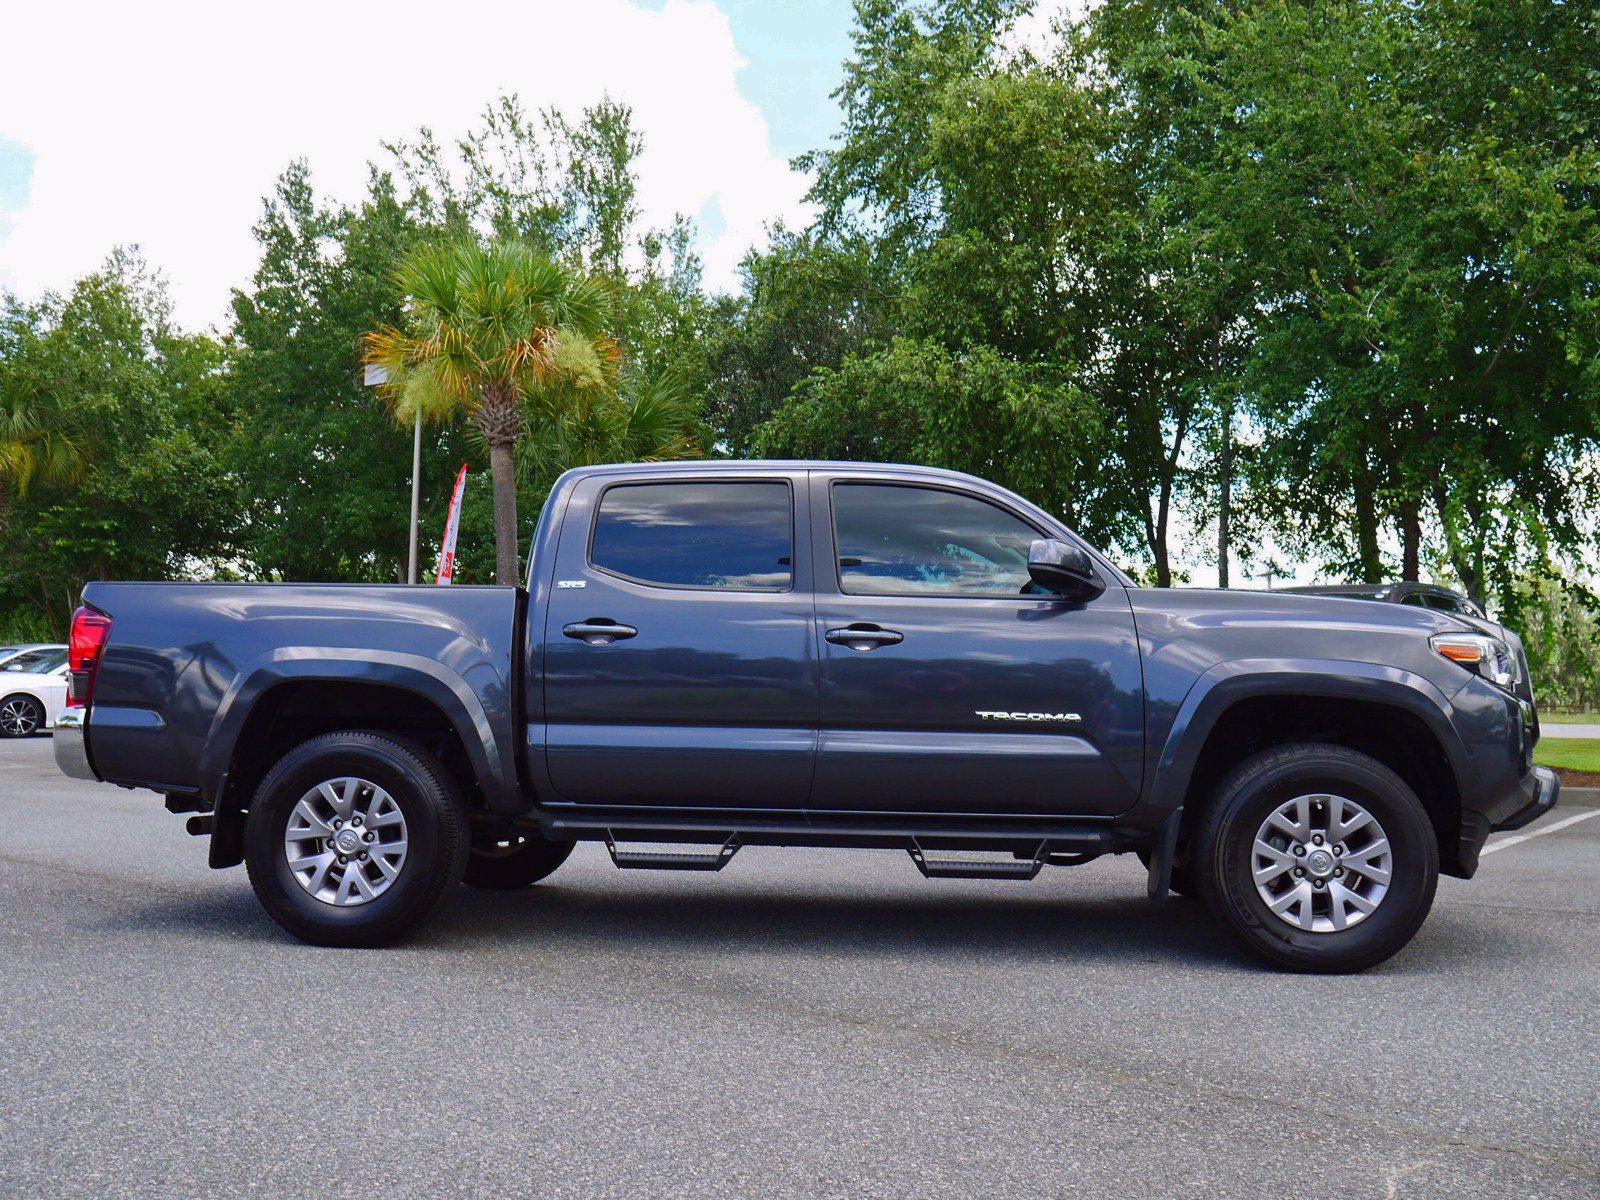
[
  {"x": 941, "y": 925},
  {"x": 594, "y": 915}
]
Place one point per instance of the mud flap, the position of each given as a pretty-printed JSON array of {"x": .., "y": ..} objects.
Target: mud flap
[{"x": 1162, "y": 852}]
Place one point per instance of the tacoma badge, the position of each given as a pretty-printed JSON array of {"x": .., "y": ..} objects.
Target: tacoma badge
[{"x": 1024, "y": 716}]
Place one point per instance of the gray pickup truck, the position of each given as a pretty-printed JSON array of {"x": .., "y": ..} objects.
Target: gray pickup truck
[{"x": 713, "y": 655}]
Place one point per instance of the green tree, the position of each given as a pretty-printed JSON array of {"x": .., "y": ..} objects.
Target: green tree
[
  {"x": 325, "y": 474},
  {"x": 1426, "y": 257},
  {"x": 41, "y": 435},
  {"x": 808, "y": 300},
  {"x": 480, "y": 335},
  {"x": 1559, "y": 620},
  {"x": 1025, "y": 426},
  {"x": 148, "y": 495}
]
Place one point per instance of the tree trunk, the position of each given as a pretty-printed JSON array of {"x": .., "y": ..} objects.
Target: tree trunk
[
  {"x": 1155, "y": 537},
  {"x": 500, "y": 422},
  {"x": 1410, "y": 539},
  {"x": 1371, "y": 561},
  {"x": 503, "y": 473},
  {"x": 1466, "y": 569},
  {"x": 1225, "y": 496},
  {"x": 1156, "y": 531}
]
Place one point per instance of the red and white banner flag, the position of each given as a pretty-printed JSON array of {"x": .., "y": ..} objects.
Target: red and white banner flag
[{"x": 452, "y": 526}]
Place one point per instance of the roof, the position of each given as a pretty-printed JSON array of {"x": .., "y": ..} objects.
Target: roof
[{"x": 701, "y": 466}]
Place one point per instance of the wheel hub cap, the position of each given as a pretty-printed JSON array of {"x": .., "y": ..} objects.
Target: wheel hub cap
[
  {"x": 346, "y": 841},
  {"x": 1321, "y": 863}
]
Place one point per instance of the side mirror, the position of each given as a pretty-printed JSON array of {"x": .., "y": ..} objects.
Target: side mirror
[{"x": 1063, "y": 570}]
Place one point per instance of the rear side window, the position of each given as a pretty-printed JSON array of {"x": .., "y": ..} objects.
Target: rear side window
[
  {"x": 38, "y": 662},
  {"x": 731, "y": 534},
  {"x": 912, "y": 541}
]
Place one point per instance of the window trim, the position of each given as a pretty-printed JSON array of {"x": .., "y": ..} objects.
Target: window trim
[
  {"x": 599, "y": 503},
  {"x": 928, "y": 486}
]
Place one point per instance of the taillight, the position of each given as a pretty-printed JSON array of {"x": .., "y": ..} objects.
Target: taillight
[{"x": 89, "y": 632}]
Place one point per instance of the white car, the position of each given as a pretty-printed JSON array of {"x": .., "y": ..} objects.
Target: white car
[
  {"x": 11, "y": 649},
  {"x": 33, "y": 689}
]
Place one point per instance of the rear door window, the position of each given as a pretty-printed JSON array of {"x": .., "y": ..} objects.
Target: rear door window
[{"x": 732, "y": 534}]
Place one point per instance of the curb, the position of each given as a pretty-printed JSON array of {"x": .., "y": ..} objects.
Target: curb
[{"x": 1586, "y": 797}]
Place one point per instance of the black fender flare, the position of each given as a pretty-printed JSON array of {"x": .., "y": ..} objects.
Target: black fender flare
[
  {"x": 488, "y": 738},
  {"x": 1217, "y": 689}
]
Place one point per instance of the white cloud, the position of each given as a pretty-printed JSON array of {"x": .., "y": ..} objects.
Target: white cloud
[{"x": 164, "y": 124}]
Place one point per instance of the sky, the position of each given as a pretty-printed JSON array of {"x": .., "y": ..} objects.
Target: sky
[{"x": 163, "y": 124}]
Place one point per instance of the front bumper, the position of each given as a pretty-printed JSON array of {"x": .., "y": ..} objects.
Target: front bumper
[
  {"x": 1542, "y": 787},
  {"x": 72, "y": 752},
  {"x": 1539, "y": 790}
]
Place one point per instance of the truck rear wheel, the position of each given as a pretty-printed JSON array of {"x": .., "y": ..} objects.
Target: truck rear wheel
[
  {"x": 506, "y": 859},
  {"x": 355, "y": 839},
  {"x": 1317, "y": 857}
]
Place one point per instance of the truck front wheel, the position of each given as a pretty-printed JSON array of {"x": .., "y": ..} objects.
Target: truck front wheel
[
  {"x": 1317, "y": 857},
  {"x": 505, "y": 859},
  {"x": 356, "y": 839}
]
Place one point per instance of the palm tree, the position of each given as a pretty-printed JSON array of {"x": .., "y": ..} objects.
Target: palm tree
[
  {"x": 40, "y": 438},
  {"x": 481, "y": 333},
  {"x": 592, "y": 411}
]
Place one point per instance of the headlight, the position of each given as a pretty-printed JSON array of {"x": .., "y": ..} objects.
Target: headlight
[{"x": 1478, "y": 652}]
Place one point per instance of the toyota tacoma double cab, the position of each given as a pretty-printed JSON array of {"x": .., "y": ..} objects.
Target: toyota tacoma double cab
[{"x": 712, "y": 655}]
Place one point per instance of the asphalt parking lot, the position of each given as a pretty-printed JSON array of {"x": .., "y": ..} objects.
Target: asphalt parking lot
[{"x": 806, "y": 1023}]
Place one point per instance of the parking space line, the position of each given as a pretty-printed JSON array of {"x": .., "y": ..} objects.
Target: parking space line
[{"x": 1559, "y": 825}]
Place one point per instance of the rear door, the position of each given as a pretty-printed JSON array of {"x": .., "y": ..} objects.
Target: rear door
[
  {"x": 946, "y": 685},
  {"x": 679, "y": 662}
]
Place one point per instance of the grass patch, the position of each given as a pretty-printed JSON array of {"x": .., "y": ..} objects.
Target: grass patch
[
  {"x": 1577, "y": 718},
  {"x": 1570, "y": 754}
]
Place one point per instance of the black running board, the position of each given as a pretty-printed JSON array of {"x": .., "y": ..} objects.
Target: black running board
[
  {"x": 655, "y": 860},
  {"x": 1015, "y": 867},
  {"x": 1066, "y": 842}
]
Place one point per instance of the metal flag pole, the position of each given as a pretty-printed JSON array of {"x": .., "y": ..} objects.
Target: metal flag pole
[{"x": 416, "y": 489}]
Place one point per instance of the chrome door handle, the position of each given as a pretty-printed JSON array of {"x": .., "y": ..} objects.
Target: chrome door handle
[
  {"x": 863, "y": 635},
  {"x": 599, "y": 631}
]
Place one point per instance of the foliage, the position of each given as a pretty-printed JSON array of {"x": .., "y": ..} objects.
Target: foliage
[
  {"x": 808, "y": 301},
  {"x": 1425, "y": 263},
  {"x": 147, "y": 495},
  {"x": 1560, "y": 627},
  {"x": 482, "y": 336},
  {"x": 1022, "y": 425},
  {"x": 325, "y": 474}
]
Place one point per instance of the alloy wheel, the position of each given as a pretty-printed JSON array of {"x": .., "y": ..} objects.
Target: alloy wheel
[
  {"x": 345, "y": 842},
  {"x": 19, "y": 717},
  {"x": 1321, "y": 863}
]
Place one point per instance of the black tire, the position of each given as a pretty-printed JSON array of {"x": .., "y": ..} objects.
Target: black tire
[
  {"x": 436, "y": 830},
  {"x": 1221, "y": 856},
  {"x": 1181, "y": 881},
  {"x": 505, "y": 859},
  {"x": 24, "y": 716}
]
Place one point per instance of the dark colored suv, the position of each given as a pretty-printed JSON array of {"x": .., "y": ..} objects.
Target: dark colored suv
[{"x": 1418, "y": 595}]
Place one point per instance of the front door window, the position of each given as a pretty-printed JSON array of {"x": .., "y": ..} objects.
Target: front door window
[{"x": 911, "y": 541}]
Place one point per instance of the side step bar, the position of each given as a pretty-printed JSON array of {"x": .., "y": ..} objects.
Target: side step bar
[
  {"x": 651, "y": 860},
  {"x": 1016, "y": 867}
]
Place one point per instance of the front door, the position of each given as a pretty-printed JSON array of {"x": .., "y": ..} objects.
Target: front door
[
  {"x": 948, "y": 684},
  {"x": 679, "y": 662}
]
